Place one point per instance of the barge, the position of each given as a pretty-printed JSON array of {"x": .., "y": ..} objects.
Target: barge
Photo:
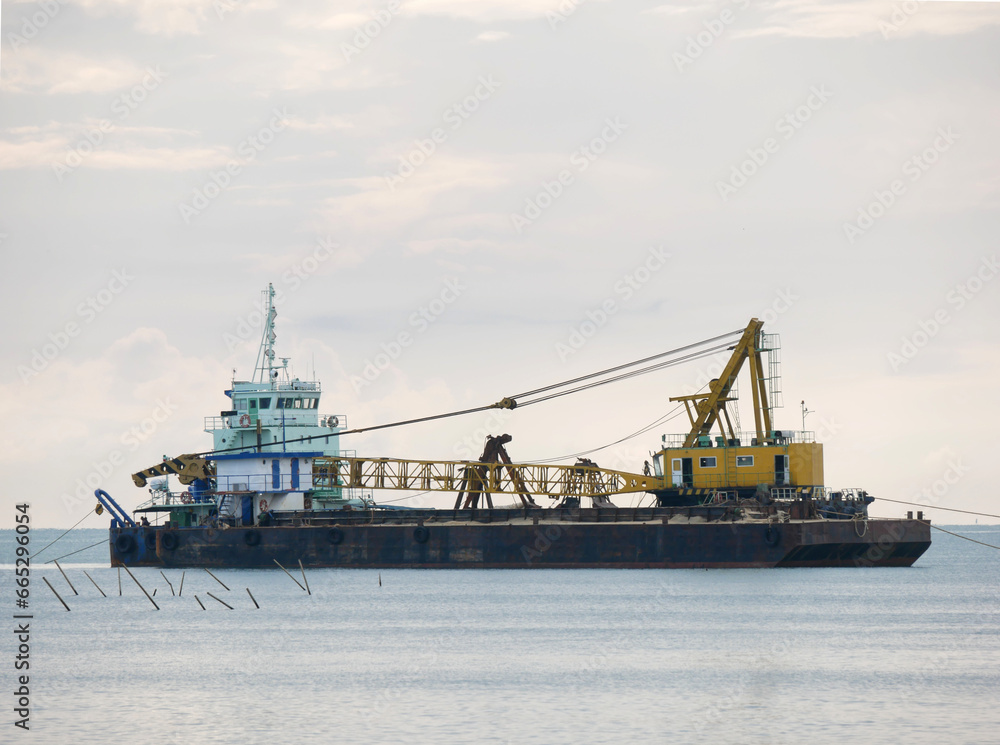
[{"x": 276, "y": 488}]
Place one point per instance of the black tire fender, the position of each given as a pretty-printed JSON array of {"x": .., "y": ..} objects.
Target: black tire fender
[
  {"x": 170, "y": 541},
  {"x": 421, "y": 534},
  {"x": 124, "y": 543},
  {"x": 335, "y": 536},
  {"x": 252, "y": 537}
]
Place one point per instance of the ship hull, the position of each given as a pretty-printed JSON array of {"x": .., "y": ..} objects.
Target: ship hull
[{"x": 529, "y": 540}]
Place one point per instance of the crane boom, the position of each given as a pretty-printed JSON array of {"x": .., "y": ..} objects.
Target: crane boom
[
  {"x": 450, "y": 476},
  {"x": 187, "y": 468}
]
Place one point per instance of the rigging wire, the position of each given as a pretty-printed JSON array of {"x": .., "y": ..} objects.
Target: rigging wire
[
  {"x": 672, "y": 414},
  {"x": 513, "y": 400},
  {"x": 634, "y": 373},
  {"x": 665, "y": 418},
  {"x": 630, "y": 364}
]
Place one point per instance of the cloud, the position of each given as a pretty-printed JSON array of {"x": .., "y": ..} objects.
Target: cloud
[
  {"x": 163, "y": 17},
  {"x": 325, "y": 123},
  {"x": 102, "y": 395},
  {"x": 442, "y": 186},
  {"x": 45, "y": 71},
  {"x": 119, "y": 147},
  {"x": 486, "y": 11},
  {"x": 813, "y": 19},
  {"x": 492, "y": 36}
]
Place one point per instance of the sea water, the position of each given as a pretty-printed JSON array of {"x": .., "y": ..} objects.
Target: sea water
[{"x": 509, "y": 656}]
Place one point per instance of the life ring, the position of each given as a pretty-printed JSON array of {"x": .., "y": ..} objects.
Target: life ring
[
  {"x": 245, "y": 420},
  {"x": 263, "y": 505},
  {"x": 334, "y": 421},
  {"x": 186, "y": 498},
  {"x": 421, "y": 534},
  {"x": 251, "y": 538},
  {"x": 170, "y": 541},
  {"x": 772, "y": 536},
  {"x": 124, "y": 543},
  {"x": 336, "y": 536}
]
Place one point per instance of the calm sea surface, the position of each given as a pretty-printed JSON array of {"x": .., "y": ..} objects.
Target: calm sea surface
[{"x": 505, "y": 656}]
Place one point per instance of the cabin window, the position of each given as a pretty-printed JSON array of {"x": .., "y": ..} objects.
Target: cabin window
[
  {"x": 241, "y": 404},
  {"x": 744, "y": 460},
  {"x": 706, "y": 462},
  {"x": 297, "y": 404},
  {"x": 265, "y": 403}
]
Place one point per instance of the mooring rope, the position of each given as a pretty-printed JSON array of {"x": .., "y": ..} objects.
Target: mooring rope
[
  {"x": 989, "y": 545},
  {"x": 89, "y": 513}
]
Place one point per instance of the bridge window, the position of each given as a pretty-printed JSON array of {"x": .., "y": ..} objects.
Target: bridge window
[
  {"x": 265, "y": 403},
  {"x": 744, "y": 460},
  {"x": 296, "y": 405},
  {"x": 706, "y": 462}
]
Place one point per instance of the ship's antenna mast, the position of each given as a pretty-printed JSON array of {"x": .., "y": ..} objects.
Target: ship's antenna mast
[{"x": 265, "y": 356}]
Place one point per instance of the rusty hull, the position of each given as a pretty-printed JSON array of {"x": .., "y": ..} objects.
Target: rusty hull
[{"x": 529, "y": 539}]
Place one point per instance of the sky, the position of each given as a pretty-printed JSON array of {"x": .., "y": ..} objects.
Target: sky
[{"x": 457, "y": 201}]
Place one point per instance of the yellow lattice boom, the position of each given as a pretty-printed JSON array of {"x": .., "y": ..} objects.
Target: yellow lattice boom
[{"x": 422, "y": 475}]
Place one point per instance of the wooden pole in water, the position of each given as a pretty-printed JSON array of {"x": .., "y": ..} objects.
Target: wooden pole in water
[
  {"x": 95, "y": 584},
  {"x": 199, "y": 602},
  {"x": 304, "y": 577},
  {"x": 221, "y": 601},
  {"x": 181, "y": 591},
  {"x": 217, "y": 579},
  {"x": 56, "y": 593},
  {"x": 119, "y": 580},
  {"x": 168, "y": 582},
  {"x": 142, "y": 588},
  {"x": 65, "y": 577},
  {"x": 252, "y": 598},
  {"x": 286, "y": 572}
]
